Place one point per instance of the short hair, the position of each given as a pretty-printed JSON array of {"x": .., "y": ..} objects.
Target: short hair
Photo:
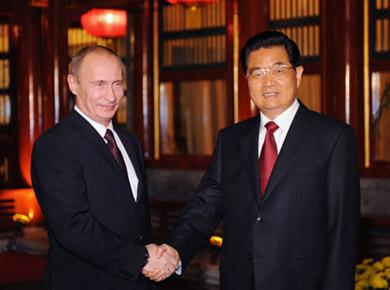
[
  {"x": 268, "y": 39},
  {"x": 77, "y": 59}
]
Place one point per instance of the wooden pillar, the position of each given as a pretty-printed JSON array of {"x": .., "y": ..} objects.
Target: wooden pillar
[
  {"x": 28, "y": 47},
  {"x": 342, "y": 63},
  {"x": 57, "y": 61},
  {"x": 342, "y": 58},
  {"x": 253, "y": 19},
  {"x": 143, "y": 75}
]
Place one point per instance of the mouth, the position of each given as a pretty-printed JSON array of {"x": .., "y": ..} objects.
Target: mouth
[
  {"x": 270, "y": 94},
  {"x": 109, "y": 107}
]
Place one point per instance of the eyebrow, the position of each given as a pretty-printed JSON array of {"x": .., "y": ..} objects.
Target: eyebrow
[
  {"x": 105, "y": 81},
  {"x": 98, "y": 81},
  {"x": 261, "y": 67}
]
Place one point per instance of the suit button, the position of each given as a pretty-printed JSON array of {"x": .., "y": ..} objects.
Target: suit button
[
  {"x": 259, "y": 219},
  {"x": 141, "y": 237},
  {"x": 249, "y": 257}
]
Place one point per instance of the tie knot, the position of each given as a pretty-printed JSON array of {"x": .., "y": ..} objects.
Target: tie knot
[
  {"x": 109, "y": 136},
  {"x": 271, "y": 127}
]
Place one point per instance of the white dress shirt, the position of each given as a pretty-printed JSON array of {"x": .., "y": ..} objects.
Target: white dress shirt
[
  {"x": 101, "y": 129},
  {"x": 283, "y": 121}
]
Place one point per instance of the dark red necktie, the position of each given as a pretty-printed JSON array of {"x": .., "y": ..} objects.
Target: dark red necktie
[
  {"x": 268, "y": 156},
  {"x": 109, "y": 136}
]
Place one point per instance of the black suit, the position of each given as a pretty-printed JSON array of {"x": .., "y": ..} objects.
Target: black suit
[
  {"x": 97, "y": 231},
  {"x": 302, "y": 235}
]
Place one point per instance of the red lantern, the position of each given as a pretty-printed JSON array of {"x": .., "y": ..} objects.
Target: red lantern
[
  {"x": 105, "y": 22},
  {"x": 191, "y": 2}
]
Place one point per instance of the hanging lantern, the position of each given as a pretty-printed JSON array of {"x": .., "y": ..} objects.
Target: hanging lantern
[
  {"x": 190, "y": 2},
  {"x": 105, "y": 22}
]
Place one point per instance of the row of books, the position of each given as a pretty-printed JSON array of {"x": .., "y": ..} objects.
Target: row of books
[
  {"x": 4, "y": 38},
  {"x": 306, "y": 37},
  {"x": 196, "y": 50},
  {"x": 4, "y": 73},
  {"x": 178, "y": 17},
  {"x": 290, "y": 9},
  {"x": 79, "y": 38},
  {"x": 382, "y": 31},
  {"x": 5, "y": 110},
  {"x": 382, "y": 4}
]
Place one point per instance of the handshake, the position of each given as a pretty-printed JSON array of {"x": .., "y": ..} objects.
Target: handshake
[{"x": 163, "y": 262}]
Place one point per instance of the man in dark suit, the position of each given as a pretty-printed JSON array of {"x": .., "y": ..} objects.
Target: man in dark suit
[
  {"x": 284, "y": 184},
  {"x": 88, "y": 176}
]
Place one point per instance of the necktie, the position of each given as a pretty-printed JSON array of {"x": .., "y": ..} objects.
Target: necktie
[
  {"x": 268, "y": 156},
  {"x": 109, "y": 136}
]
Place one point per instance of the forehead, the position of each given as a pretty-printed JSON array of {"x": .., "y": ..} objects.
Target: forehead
[
  {"x": 268, "y": 56},
  {"x": 100, "y": 65}
]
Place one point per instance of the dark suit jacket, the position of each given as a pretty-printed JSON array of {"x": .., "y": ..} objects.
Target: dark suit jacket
[
  {"x": 302, "y": 235},
  {"x": 96, "y": 229}
]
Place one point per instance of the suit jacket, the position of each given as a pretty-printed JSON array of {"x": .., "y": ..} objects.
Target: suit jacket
[
  {"x": 302, "y": 234},
  {"x": 97, "y": 231}
]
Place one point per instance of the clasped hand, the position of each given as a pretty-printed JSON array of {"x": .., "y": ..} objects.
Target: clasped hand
[{"x": 164, "y": 260}]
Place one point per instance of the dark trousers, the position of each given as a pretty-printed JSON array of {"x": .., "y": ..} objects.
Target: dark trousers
[{"x": 253, "y": 286}]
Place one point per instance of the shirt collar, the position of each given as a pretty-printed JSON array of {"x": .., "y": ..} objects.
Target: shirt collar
[
  {"x": 101, "y": 129},
  {"x": 284, "y": 120}
]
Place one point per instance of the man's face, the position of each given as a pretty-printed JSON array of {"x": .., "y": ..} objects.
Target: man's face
[
  {"x": 272, "y": 81},
  {"x": 98, "y": 87}
]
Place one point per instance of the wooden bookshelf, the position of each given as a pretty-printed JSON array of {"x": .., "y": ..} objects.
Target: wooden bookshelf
[
  {"x": 195, "y": 98},
  {"x": 8, "y": 125},
  {"x": 192, "y": 38},
  {"x": 300, "y": 20},
  {"x": 5, "y": 93},
  {"x": 380, "y": 42}
]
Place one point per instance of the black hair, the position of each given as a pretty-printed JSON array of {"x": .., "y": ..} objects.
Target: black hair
[{"x": 268, "y": 39}]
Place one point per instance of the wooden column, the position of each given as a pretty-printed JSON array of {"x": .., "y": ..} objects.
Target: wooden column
[
  {"x": 342, "y": 58},
  {"x": 28, "y": 46},
  {"x": 342, "y": 62},
  {"x": 253, "y": 19},
  {"x": 143, "y": 75}
]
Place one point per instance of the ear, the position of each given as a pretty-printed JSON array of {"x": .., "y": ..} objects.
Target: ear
[
  {"x": 298, "y": 74},
  {"x": 73, "y": 84}
]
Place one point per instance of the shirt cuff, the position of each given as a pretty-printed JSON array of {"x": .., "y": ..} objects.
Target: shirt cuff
[{"x": 179, "y": 269}]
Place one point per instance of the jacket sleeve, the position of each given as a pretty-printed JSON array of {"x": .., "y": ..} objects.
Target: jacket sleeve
[
  {"x": 343, "y": 208},
  {"x": 58, "y": 182},
  {"x": 202, "y": 214}
]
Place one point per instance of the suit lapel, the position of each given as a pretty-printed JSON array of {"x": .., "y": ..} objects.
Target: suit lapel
[
  {"x": 292, "y": 143},
  {"x": 133, "y": 158},
  {"x": 92, "y": 136},
  {"x": 249, "y": 147}
]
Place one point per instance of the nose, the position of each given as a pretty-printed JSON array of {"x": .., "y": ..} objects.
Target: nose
[
  {"x": 111, "y": 95},
  {"x": 269, "y": 79}
]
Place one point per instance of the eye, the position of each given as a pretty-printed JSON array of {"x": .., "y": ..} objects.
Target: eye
[
  {"x": 257, "y": 73},
  {"x": 279, "y": 70},
  {"x": 118, "y": 84},
  {"x": 99, "y": 84}
]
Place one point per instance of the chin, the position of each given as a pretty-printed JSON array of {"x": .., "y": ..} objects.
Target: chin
[{"x": 107, "y": 116}]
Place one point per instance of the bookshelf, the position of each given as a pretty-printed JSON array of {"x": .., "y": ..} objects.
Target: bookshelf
[
  {"x": 380, "y": 42},
  {"x": 379, "y": 80},
  {"x": 194, "y": 99},
  {"x": 8, "y": 126},
  {"x": 300, "y": 20},
  {"x": 192, "y": 38},
  {"x": 5, "y": 93}
]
